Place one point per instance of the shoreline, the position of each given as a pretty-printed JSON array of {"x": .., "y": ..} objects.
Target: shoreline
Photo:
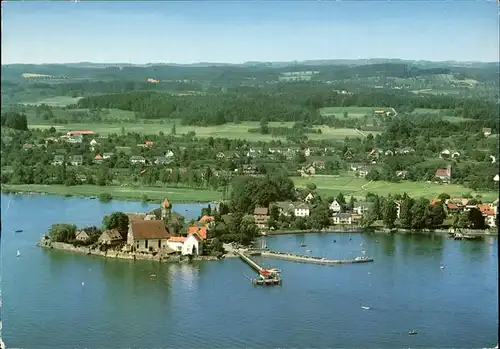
[
  {"x": 114, "y": 254},
  {"x": 359, "y": 230},
  {"x": 19, "y": 190}
]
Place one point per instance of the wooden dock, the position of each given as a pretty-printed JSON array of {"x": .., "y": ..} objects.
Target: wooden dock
[
  {"x": 312, "y": 259},
  {"x": 266, "y": 277}
]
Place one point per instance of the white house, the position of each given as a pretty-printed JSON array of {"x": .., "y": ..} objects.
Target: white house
[
  {"x": 93, "y": 143},
  {"x": 193, "y": 245},
  {"x": 491, "y": 220},
  {"x": 309, "y": 197},
  {"x": 307, "y": 152},
  {"x": 398, "y": 208},
  {"x": 302, "y": 210},
  {"x": 335, "y": 206},
  {"x": 342, "y": 218},
  {"x": 176, "y": 243}
]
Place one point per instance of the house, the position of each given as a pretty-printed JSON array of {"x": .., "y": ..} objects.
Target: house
[
  {"x": 176, "y": 242},
  {"x": 320, "y": 165},
  {"x": 310, "y": 197},
  {"x": 58, "y": 160},
  {"x": 307, "y": 152},
  {"x": 348, "y": 154},
  {"x": 486, "y": 131},
  {"x": 302, "y": 210},
  {"x": 137, "y": 159},
  {"x": 361, "y": 208},
  {"x": 169, "y": 154},
  {"x": 201, "y": 231},
  {"x": 27, "y": 146},
  {"x": 490, "y": 219},
  {"x": 342, "y": 218},
  {"x": 76, "y": 160},
  {"x": 220, "y": 155},
  {"x": 389, "y": 153},
  {"x": 401, "y": 174},
  {"x": 434, "y": 201},
  {"x": 82, "y": 235},
  {"x": 363, "y": 171},
  {"x": 98, "y": 159},
  {"x": 110, "y": 237},
  {"x": 452, "y": 208},
  {"x": 206, "y": 219},
  {"x": 147, "y": 235},
  {"x": 106, "y": 156},
  {"x": 75, "y": 139},
  {"x": 162, "y": 160},
  {"x": 92, "y": 144},
  {"x": 285, "y": 208},
  {"x": 193, "y": 245},
  {"x": 307, "y": 170},
  {"x": 249, "y": 169},
  {"x": 444, "y": 174},
  {"x": 261, "y": 215},
  {"x": 335, "y": 206}
]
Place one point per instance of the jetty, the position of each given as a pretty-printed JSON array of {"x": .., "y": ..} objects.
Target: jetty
[
  {"x": 267, "y": 277},
  {"x": 312, "y": 259}
]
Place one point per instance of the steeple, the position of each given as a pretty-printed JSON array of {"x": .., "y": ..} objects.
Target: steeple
[{"x": 166, "y": 209}]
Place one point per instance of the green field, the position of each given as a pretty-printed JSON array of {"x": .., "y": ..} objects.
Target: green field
[
  {"x": 352, "y": 112},
  {"x": 232, "y": 131},
  {"x": 122, "y": 193},
  {"x": 350, "y": 185},
  {"x": 59, "y": 101}
]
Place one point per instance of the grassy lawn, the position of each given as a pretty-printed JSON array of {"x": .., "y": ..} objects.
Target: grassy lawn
[
  {"x": 232, "y": 131},
  {"x": 59, "y": 101},
  {"x": 350, "y": 185},
  {"x": 122, "y": 193}
]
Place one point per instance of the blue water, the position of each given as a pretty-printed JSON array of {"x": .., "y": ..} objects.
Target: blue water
[{"x": 212, "y": 304}]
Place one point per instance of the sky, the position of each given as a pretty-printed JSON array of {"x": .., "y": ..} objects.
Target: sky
[{"x": 241, "y": 31}]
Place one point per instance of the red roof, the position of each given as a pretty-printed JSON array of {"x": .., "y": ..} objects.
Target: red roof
[
  {"x": 202, "y": 231},
  {"x": 165, "y": 204},
  {"x": 435, "y": 201},
  {"x": 441, "y": 172},
  {"x": 142, "y": 229},
  {"x": 206, "y": 219},
  {"x": 265, "y": 272},
  {"x": 80, "y": 132},
  {"x": 177, "y": 239},
  {"x": 148, "y": 143},
  {"x": 98, "y": 157},
  {"x": 453, "y": 206}
]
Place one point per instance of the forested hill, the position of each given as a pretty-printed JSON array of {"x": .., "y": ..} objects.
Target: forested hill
[
  {"x": 260, "y": 72},
  {"x": 235, "y": 107}
]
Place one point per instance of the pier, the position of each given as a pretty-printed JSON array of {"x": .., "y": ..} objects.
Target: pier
[
  {"x": 312, "y": 259},
  {"x": 266, "y": 276}
]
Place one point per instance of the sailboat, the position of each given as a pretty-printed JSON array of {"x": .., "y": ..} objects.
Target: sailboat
[
  {"x": 302, "y": 244},
  {"x": 18, "y": 253}
]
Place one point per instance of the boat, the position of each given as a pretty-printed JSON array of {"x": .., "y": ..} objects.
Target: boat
[
  {"x": 18, "y": 253},
  {"x": 365, "y": 308},
  {"x": 442, "y": 267},
  {"x": 412, "y": 333},
  {"x": 19, "y": 231},
  {"x": 308, "y": 251},
  {"x": 302, "y": 244}
]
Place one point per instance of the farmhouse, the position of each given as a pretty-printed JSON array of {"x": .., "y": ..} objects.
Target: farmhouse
[
  {"x": 110, "y": 237},
  {"x": 261, "y": 216},
  {"x": 444, "y": 174},
  {"x": 342, "y": 218},
  {"x": 302, "y": 210},
  {"x": 335, "y": 206},
  {"x": 82, "y": 235}
]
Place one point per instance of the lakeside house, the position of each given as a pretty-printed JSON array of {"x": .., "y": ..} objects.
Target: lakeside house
[
  {"x": 193, "y": 245},
  {"x": 261, "y": 216},
  {"x": 110, "y": 237},
  {"x": 342, "y": 218},
  {"x": 335, "y": 206},
  {"x": 444, "y": 174},
  {"x": 82, "y": 235},
  {"x": 302, "y": 210}
]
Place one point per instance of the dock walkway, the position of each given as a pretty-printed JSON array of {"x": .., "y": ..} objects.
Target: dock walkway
[
  {"x": 266, "y": 277},
  {"x": 312, "y": 259}
]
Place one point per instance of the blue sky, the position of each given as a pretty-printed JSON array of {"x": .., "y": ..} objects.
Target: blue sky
[{"x": 237, "y": 31}]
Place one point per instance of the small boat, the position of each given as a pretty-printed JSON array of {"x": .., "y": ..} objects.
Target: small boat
[
  {"x": 93, "y": 197},
  {"x": 412, "y": 333},
  {"x": 365, "y": 308},
  {"x": 442, "y": 267},
  {"x": 18, "y": 253},
  {"x": 376, "y": 241},
  {"x": 302, "y": 244},
  {"x": 308, "y": 251},
  {"x": 19, "y": 231}
]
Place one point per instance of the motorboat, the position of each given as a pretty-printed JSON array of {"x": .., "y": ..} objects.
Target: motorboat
[
  {"x": 18, "y": 253},
  {"x": 19, "y": 231},
  {"x": 412, "y": 333},
  {"x": 302, "y": 244},
  {"x": 365, "y": 308}
]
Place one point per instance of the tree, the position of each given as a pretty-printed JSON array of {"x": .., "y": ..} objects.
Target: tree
[
  {"x": 311, "y": 186},
  {"x": 405, "y": 213},
  {"x": 62, "y": 232},
  {"x": 419, "y": 213},
  {"x": 319, "y": 217},
  {"x": 173, "y": 131},
  {"x": 436, "y": 216},
  {"x": 118, "y": 221},
  {"x": 476, "y": 219},
  {"x": 389, "y": 213},
  {"x": 341, "y": 199}
]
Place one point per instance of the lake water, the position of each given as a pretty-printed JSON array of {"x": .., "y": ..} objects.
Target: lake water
[{"x": 212, "y": 304}]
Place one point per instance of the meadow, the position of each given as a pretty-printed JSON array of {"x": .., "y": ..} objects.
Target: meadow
[
  {"x": 135, "y": 193},
  {"x": 353, "y": 186},
  {"x": 230, "y": 130}
]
